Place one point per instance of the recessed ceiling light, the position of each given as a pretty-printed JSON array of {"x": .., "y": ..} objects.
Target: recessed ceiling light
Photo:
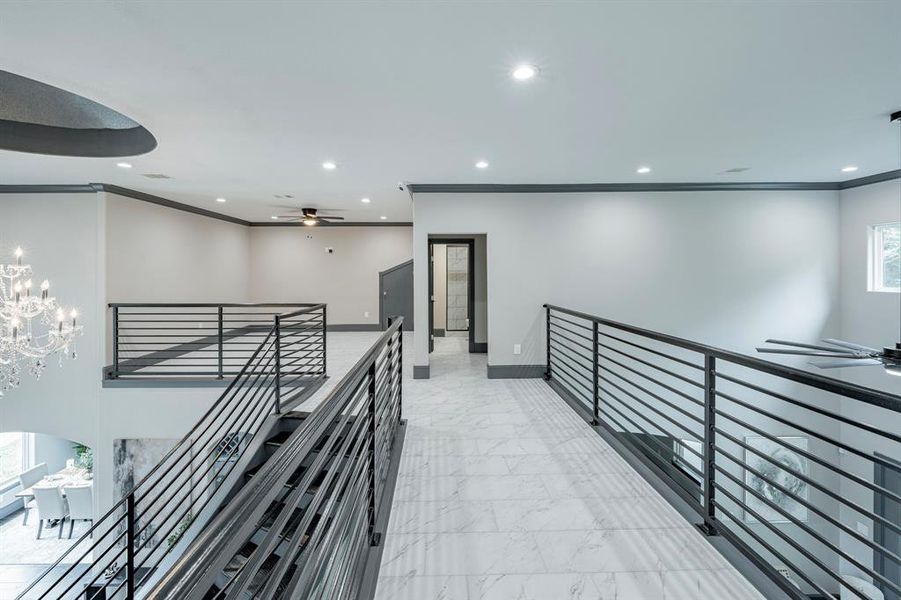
[
  {"x": 365, "y": 200},
  {"x": 524, "y": 72},
  {"x": 274, "y": 218},
  {"x": 643, "y": 170},
  {"x": 849, "y": 169},
  {"x": 329, "y": 165},
  {"x": 482, "y": 164},
  {"x": 220, "y": 200},
  {"x": 383, "y": 218},
  {"x": 124, "y": 165}
]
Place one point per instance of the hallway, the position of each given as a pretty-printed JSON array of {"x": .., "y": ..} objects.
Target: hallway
[{"x": 504, "y": 492}]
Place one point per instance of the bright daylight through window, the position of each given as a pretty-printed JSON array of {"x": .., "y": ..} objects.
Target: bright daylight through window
[
  {"x": 12, "y": 455},
  {"x": 885, "y": 258}
]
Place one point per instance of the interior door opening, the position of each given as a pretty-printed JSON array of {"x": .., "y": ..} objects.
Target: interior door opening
[{"x": 453, "y": 317}]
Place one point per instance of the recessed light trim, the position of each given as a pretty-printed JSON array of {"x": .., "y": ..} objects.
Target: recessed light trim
[
  {"x": 365, "y": 200},
  {"x": 643, "y": 170},
  {"x": 124, "y": 165},
  {"x": 329, "y": 165},
  {"x": 383, "y": 218},
  {"x": 274, "y": 218},
  {"x": 221, "y": 200},
  {"x": 482, "y": 164},
  {"x": 524, "y": 72},
  {"x": 849, "y": 168}
]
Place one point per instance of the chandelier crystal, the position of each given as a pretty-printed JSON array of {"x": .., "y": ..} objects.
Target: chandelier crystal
[{"x": 32, "y": 326}]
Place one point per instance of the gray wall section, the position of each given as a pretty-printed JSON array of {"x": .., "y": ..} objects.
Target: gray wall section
[
  {"x": 440, "y": 286},
  {"x": 480, "y": 308}
]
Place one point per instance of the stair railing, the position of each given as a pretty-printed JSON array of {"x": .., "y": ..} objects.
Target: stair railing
[
  {"x": 126, "y": 546},
  {"x": 783, "y": 463},
  {"x": 324, "y": 524}
]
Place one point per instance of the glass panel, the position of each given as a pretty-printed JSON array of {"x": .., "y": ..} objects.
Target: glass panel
[{"x": 890, "y": 252}]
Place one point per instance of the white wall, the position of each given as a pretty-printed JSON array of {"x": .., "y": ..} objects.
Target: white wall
[
  {"x": 290, "y": 264},
  {"x": 157, "y": 254},
  {"x": 728, "y": 268}
]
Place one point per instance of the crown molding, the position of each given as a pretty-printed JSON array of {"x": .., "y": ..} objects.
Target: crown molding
[{"x": 544, "y": 188}]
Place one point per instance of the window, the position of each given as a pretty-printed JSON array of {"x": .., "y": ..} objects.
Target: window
[
  {"x": 13, "y": 455},
  {"x": 885, "y": 258}
]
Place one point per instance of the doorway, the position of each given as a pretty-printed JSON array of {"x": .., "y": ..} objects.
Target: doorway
[{"x": 452, "y": 290}]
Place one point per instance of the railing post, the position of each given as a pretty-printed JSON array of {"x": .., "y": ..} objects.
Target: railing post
[
  {"x": 221, "y": 345},
  {"x": 130, "y": 529},
  {"x": 709, "y": 525},
  {"x": 400, "y": 371},
  {"x": 595, "y": 375},
  {"x": 547, "y": 337},
  {"x": 324, "y": 336},
  {"x": 115, "y": 372},
  {"x": 278, "y": 365},
  {"x": 374, "y": 538}
]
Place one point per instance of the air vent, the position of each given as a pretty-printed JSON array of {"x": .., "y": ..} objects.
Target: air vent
[
  {"x": 736, "y": 170},
  {"x": 156, "y": 176},
  {"x": 284, "y": 196}
]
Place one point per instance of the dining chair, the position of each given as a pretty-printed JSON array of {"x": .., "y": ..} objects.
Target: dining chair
[
  {"x": 51, "y": 507},
  {"x": 29, "y": 478},
  {"x": 81, "y": 505}
]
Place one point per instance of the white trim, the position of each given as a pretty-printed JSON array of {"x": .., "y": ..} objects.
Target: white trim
[{"x": 875, "y": 258}]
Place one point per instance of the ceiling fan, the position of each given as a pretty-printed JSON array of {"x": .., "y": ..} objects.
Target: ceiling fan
[
  {"x": 839, "y": 353},
  {"x": 309, "y": 217}
]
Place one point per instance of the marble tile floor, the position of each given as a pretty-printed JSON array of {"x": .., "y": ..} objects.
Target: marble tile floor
[{"x": 505, "y": 493}]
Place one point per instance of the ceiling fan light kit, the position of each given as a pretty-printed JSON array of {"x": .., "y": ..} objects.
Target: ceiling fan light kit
[{"x": 309, "y": 217}]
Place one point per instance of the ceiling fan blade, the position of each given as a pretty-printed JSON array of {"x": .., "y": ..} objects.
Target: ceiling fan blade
[
  {"x": 802, "y": 345},
  {"x": 851, "y": 345},
  {"x": 848, "y": 362},
  {"x": 808, "y": 353},
  {"x": 331, "y": 218}
]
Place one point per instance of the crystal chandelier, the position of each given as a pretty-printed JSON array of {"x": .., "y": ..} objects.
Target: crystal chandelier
[{"x": 32, "y": 327}]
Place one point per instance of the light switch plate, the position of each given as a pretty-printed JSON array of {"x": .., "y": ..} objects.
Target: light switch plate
[
  {"x": 517, "y": 348},
  {"x": 366, "y": 314}
]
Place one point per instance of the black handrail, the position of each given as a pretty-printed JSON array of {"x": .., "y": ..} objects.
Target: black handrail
[
  {"x": 185, "y": 485},
  {"x": 688, "y": 411},
  {"x": 361, "y": 415}
]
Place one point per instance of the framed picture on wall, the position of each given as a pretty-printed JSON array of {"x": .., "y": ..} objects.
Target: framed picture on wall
[{"x": 781, "y": 462}]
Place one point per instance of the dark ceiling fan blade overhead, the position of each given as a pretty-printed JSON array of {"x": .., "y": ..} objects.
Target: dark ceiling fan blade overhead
[
  {"x": 853, "y": 346},
  {"x": 832, "y": 354},
  {"x": 846, "y": 362},
  {"x": 803, "y": 345},
  {"x": 330, "y": 218}
]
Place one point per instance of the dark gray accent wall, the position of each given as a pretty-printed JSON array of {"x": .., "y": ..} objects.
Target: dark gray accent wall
[{"x": 515, "y": 371}]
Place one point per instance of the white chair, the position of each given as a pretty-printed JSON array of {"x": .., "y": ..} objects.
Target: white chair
[
  {"x": 861, "y": 585},
  {"x": 81, "y": 505},
  {"x": 29, "y": 478},
  {"x": 51, "y": 507}
]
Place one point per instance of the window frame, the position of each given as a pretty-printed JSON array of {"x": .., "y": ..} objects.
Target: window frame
[
  {"x": 27, "y": 459},
  {"x": 876, "y": 258}
]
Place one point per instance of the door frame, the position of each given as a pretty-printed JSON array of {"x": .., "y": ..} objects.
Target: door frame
[
  {"x": 470, "y": 292},
  {"x": 880, "y": 466},
  {"x": 383, "y": 318}
]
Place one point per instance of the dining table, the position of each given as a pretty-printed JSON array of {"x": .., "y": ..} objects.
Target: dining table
[{"x": 64, "y": 478}]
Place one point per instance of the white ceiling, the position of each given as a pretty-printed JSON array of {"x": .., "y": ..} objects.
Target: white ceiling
[{"x": 247, "y": 99}]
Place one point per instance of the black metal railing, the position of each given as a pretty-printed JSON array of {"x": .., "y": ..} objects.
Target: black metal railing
[
  {"x": 326, "y": 520},
  {"x": 126, "y": 546},
  {"x": 782, "y": 462},
  {"x": 204, "y": 340}
]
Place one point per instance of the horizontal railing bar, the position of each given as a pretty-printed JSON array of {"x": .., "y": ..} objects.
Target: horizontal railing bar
[
  {"x": 575, "y": 374},
  {"x": 681, "y": 426},
  {"x": 657, "y": 397},
  {"x": 569, "y": 382},
  {"x": 559, "y": 335},
  {"x": 655, "y": 367},
  {"x": 769, "y": 548},
  {"x": 652, "y": 351},
  {"x": 573, "y": 355},
  {"x": 654, "y": 381},
  {"x": 665, "y": 433},
  {"x": 582, "y": 325},
  {"x": 809, "y": 480},
  {"x": 212, "y": 304},
  {"x": 813, "y": 457},
  {"x": 857, "y": 392},
  {"x": 838, "y": 417},
  {"x": 801, "y": 428},
  {"x": 809, "y": 505},
  {"x": 560, "y": 327}
]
